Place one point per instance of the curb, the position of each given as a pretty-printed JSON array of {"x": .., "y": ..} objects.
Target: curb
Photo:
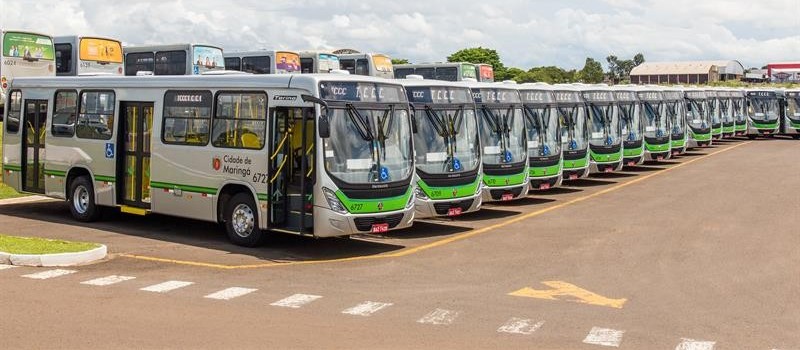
[
  {"x": 60, "y": 259},
  {"x": 25, "y": 199}
]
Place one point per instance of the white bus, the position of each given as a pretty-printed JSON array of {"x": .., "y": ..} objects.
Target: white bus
[
  {"x": 318, "y": 62},
  {"x": 24, "y": 54},
  {"x": 176, "y": 59},
  {"x": 263, "y": 62},
  {"x": 315, "y": 155},
  {"x": 375, "y": 65},
  {"x": 450, "y": 71},
  {"x": 80, "y": 55},
  {"x": 484, "y": 72}
]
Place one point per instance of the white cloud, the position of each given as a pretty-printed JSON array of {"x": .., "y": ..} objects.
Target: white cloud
[{"x": 525, "y": 33}]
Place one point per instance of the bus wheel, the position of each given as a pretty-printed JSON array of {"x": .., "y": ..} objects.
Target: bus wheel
[
  {"x": 241, "y": 221},
  {"x": 81, "y": 200}
]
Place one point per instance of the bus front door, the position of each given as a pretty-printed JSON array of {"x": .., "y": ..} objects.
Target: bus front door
[
  {"x": 33, "y": 146},
  {"x": 133, "y": 164},
  {"x": 291, "y": 169}
]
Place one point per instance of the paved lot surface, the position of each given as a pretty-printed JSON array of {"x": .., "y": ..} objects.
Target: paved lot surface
[{"x": 699, "y": 252}]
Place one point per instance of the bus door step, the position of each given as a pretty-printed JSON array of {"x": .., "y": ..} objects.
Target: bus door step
[{"x": 134, "y": 210}]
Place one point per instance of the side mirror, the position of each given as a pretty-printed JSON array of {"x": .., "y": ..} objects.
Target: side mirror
[{"x": 324, "y": 127}]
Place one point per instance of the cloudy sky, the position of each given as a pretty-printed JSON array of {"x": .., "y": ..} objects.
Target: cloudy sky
[{"x": 525, "y": 33}]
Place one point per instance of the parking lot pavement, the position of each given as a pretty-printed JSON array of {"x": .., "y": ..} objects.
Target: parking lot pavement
[{"x": 700, "y": 256}]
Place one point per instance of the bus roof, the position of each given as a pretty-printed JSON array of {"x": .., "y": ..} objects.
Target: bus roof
[
  {"x": 74, "y": 38},
  {"x": 256, "y": 53},
  {"x": 165, "y": 47},
  {"x": 24, "y": 32},
  {"x": 429, "y": 82},
  {"x": 431, "y": 65}
]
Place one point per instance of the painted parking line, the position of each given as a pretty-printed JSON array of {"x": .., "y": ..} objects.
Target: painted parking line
[
  {"x": 6, "y": 267},
  {"x": 108, "y": 280},
  {"x": 520, "y": 326},
  {"x": 691, "y": 344},
  {"x": 296, "y": 301},
  {"x": 366, "y": 308},
  {"x": 167, "y": 286},
  {"x": 439, "y": 317},
  {"x": 604, "y": 337},
  {"x": 49, "y": 274},
  {"x": 230, "y": 293}
]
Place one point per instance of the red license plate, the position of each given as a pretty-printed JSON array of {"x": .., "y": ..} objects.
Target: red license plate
[
  {"x": 573, "y": 176},
  {"x": 380, "y": 228},
  {"x": 631, "y": 163},
  {"x": 454, "y": 212},
  {"x": 544, "y": 186},
  {"x": 507, "y": 197},
  {"x": 608, "y": 170},
  {"x": 660, "y": 158}
]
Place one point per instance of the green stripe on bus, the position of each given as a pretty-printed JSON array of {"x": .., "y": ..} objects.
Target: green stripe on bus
[
  {"x": 657, "y": 148},
  {"x": 504, "y": 180},
  {"x": 537, "y": 172},
  {"x": 575, "y": 163},
  {"x": 187, "y": 188},
  {"x": 12, "y": 167},
  {"x": 633, "y": 152},
  {"x": 449, "y": 192},
  {"x": 678, "y": 143},
  {"x": 378, "y": 205},
  {"x": 262, "y": 196},
  {"x": 58, "y": 173},
  {"x": 606, "y": 157},
  {"x": 772, "y": 125},
  {"x": 104, "y": 178}
]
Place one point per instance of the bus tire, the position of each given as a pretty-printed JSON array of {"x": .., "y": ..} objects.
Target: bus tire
[
  {"x": 81, "y": 200},
  {"x": 241, "y": 221}
]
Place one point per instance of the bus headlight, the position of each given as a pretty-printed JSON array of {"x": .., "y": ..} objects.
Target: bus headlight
[
  {"x": 411, "y": 200},
  {"x": 333, "y": 202},
  {"x": 420, "y": 193}
]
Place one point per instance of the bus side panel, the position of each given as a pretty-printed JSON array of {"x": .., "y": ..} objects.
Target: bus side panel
[{"x": 12, "y": 156}]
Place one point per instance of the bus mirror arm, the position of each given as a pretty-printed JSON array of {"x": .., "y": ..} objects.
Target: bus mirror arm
[{"x": 323, "y": 127}]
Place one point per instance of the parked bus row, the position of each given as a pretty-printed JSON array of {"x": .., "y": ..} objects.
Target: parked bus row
[{"x": 336, "y": 154}]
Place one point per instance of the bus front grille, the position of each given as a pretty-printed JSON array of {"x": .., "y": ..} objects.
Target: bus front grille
[
  {"x": 442, "y": 208},
  {"x": 365, "y": 223}
]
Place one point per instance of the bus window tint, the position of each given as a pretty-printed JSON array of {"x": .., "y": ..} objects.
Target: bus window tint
[
  {"x": 240, "y": 120},
  {"x": 447, "y": 73},
  {"x": 96, "y": 118},
  {"x": 170, "y": 63},
  {"x": 362, "y": 67},
  {"x": 348, "y": 65},
  {"x": 233, "y": 63},
  {"x": 256, "y": 64},
  {"x": 63, "y": 58},
  {"x": 427, "y": 73},
  {"x": 401, "y": 73},
  {"x": 65, "y": 113},
  {"x": 139, "y": 62},
  {"x": 306, "y": 65},
  {"x": 187, "y": 116},
  {"x": 14, "y": 111}
]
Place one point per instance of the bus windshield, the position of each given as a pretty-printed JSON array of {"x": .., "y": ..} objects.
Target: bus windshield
[
  {"x": 27, "y": 46},
  {"x": 544, "y": 138},
  {"x": 631, "y": 120},
  {"x": 382, "y": 63},
  {"x": 207, "y": 58},
  {"x": 675, "y": 116},
  {"x": 573, "y": 131},
  {"x": 605, "y": 125},
  {"x": 328, "y": 63},
  {"x": 713, "y": 111},
  {"x": 738, "y": 109},
  {"x": 100, "y": 50},
  {"x": 656, "y": 122},
  {"x": 726, "y": 110},
  {"x": 697, "y": 114},
  {"x": 368, "y": 144},
  {"x": 446, "y": 140},
  {"x": 468, "y": 71},
  {"x": 502, "y": 135},
  {"x": 286, "y": 62},
  {"x": 763, "y": 108},
  {"x": 793, "y": 106}
]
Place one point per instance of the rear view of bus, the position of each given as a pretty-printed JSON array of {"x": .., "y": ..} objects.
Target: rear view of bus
[
  {"x": 544, "y": 136},
  {"x": 791, "y": 121},
  {"x": 24, "y": 54},
  {"x": 574, "y": 120},
  {"x": 456, "y": 71},
  {"x": 697, "y": 117},
  {"x": 605, "y": 143},
  {"x": 318, "y": 62},
  {"x": 78, "y": 55},
  {"x": 484, "y": 72},
  {"x": 675, "y": 111},
  {"x": 763, "y": 113},
  {"x": 446, "y": 148},
  {"x": 263, "y": 62},
  {"x": 376, "y": 65},
  {"x": 714, "y": 99},
  {"x": 630, "y": 110},
  {"x": 503, "y": 141},
  {"x": 657, "y": 143}
]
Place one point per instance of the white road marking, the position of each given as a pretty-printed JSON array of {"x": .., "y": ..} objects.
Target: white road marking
[
  {"x": 366, "y": 308},
  {"x": 296, "y": 301},
  {"x": 604, "y": 337},
  {"x": 230, "y": 293},
  {"x": 691, "y": 344},
  {"x": 167, "y": 286},
  {"x": 440, "y": 317},
  {"x": 108, "y": 280},
  {"x": 6, "y": 267},
  {"x": 49, "y": 274},
  {"x": 520, "y": 326}
]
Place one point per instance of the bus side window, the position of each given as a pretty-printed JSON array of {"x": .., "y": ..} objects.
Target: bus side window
[
  {"x": 170, "y": 63},
  {"x": 186, "y": 120},
  {"x": 240, "y": 120},
  {"x": 348, "y": 65},
  {"x": 362, "y": 67},
  {"x": 401, "y": 73},
  {"x": 96, "y": 118},
  {"x": 14, "y": 111},
  {"x": 63, "y": 58},
  {"x": 306, "y": 65},
  {"x": 233, "y": 63},
  {"x": 64, "y": 113}
]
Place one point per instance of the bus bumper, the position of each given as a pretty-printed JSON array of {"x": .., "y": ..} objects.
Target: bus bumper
[
  {"x": 574, "y": 174},
  {"x": 658, "y": 156},
  {"x": 328, "y": 223},
  {"x": 605, "y": 167},
  {"x": 505, "y": 193},
  {"x": 428, "y": 208},
  {"x": 544, "y": 183}
]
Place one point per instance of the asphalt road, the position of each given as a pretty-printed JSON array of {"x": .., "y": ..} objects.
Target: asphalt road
[{"x": 699, "y": 252}]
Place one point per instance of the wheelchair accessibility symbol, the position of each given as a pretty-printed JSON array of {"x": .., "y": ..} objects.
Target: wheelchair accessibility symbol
[{"x": 109, "y": 150}]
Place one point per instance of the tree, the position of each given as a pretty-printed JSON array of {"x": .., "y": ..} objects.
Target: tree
[
  {"x": 592, "y": 72},
  {"x": 620, "y": 69},
  {"x": 479, "y": 55},
  {"x": 638, "y": 59},
  {"x": 400, "y": 61}
]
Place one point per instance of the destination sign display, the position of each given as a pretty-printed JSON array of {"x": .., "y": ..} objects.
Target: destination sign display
[
  {"x": 598, "y": 96},
  {"x": 188, "y": 98},
  {"x": 568, "y": 97},
  {"x": 650, "y": 95},
  {"x": 438, "y": 94},
  {"x": 625, "y": 96},
  {"x": 761, "y": 93},
  {"x": 695, "y": 94},
  {"x": 492, "y": 95},
  {"x": 361, "y": 92},
  {"x": 537, "y": 96}
]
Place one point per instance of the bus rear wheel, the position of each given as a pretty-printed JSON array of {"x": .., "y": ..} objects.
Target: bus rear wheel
[
  {"x": 81, "y": 200},
  {"x": 241, "y": 221}
]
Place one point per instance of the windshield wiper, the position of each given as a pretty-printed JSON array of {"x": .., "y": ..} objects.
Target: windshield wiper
[
  {"x": 438, "y": 124},
  {"x": 362, "y": 128},
  {"x": 491, "y": 119}
]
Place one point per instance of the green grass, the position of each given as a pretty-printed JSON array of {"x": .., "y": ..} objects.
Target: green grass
[
  {"x": 32, "y": 245},
  {"x": 5, "y": 191}
]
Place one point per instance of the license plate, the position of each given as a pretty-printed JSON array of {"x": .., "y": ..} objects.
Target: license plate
[
  {"x": 380, "y": 228},
  {"x": 507, "y": 197},
  {"x": 608, "y": 170},
  {"x": 544, "y": 186},
  {"x": 631, "y": 163},
  {"x": 454, "y": 212},
  {"x": 660, "y": 158},
  {"x": 573, "y": 176},
  {"x": 765, "y": 132},
  {"x": 675, "y": 153}
]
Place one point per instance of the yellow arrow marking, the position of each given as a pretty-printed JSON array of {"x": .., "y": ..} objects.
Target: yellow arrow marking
[{"x": 561, "y": 288}]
